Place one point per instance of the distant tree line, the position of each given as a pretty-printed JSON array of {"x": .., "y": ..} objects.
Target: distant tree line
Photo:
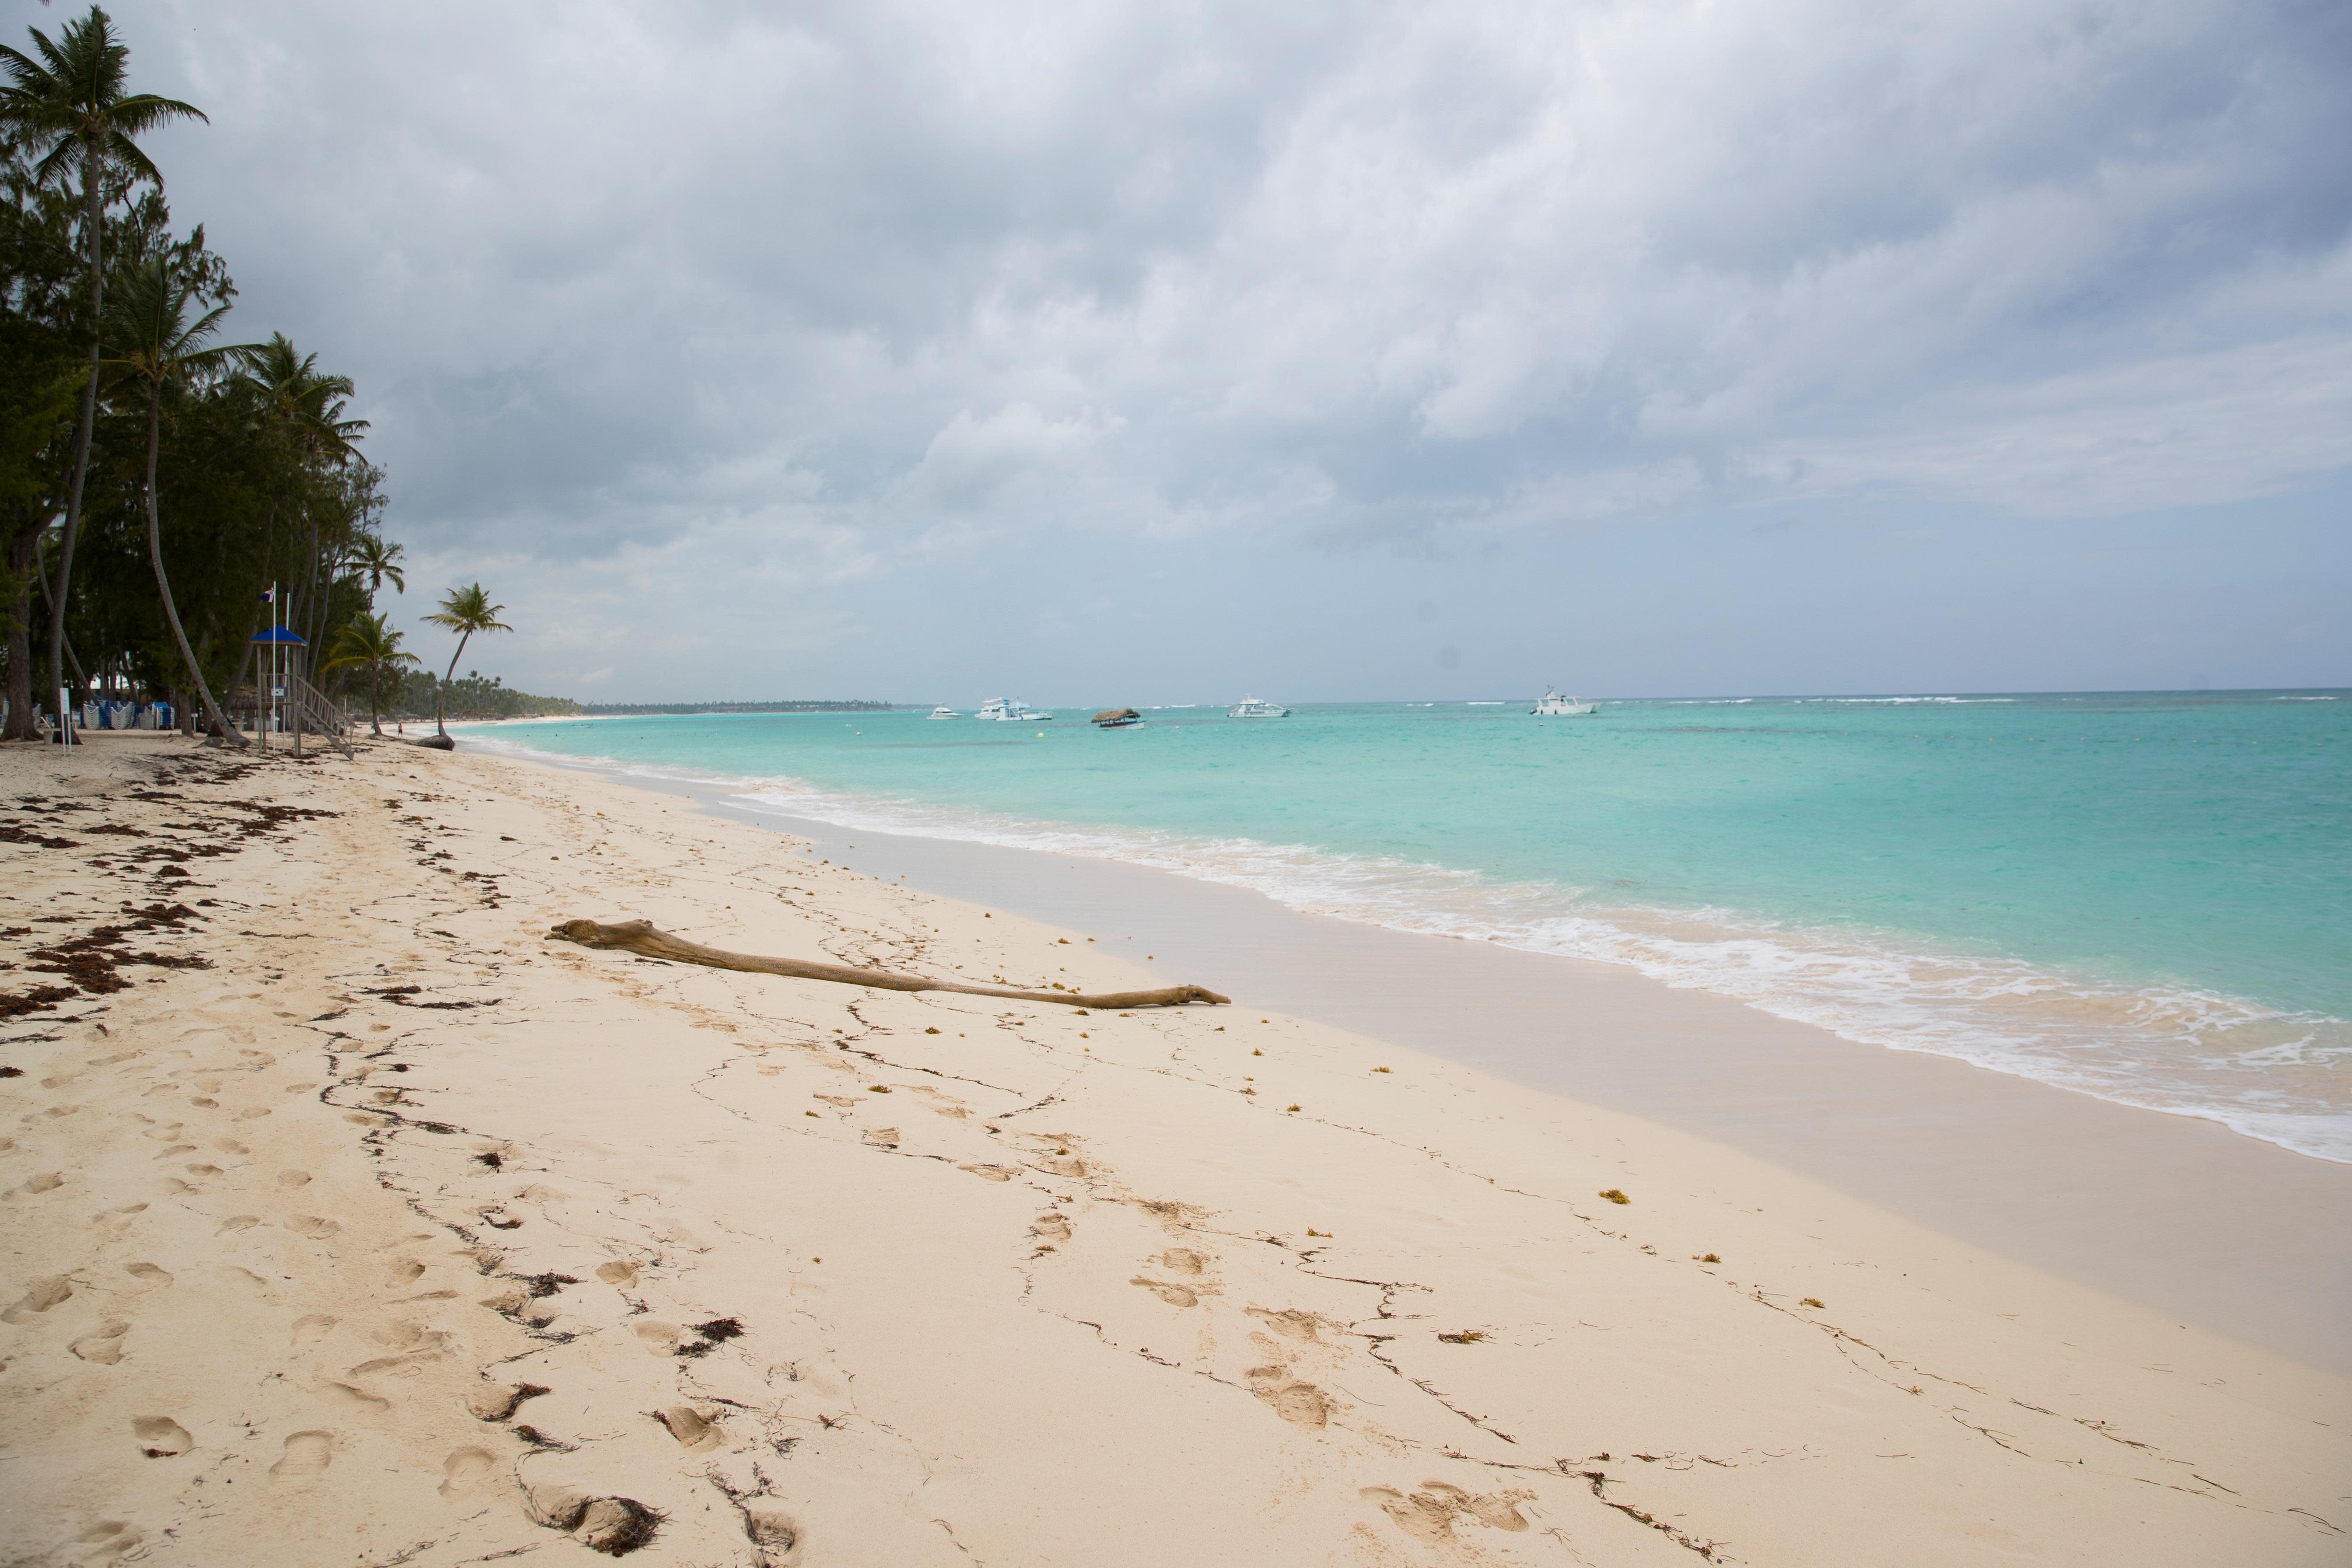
[
  {"x": 607, "y": 710},
  {"x": 475, "y": 697}
]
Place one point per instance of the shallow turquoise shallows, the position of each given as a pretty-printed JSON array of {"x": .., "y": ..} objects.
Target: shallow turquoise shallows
[{"x": 2144, "y": 897}]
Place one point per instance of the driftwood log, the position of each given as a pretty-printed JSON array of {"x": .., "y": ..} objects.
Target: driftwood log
[{"x": 641, "y": 937}]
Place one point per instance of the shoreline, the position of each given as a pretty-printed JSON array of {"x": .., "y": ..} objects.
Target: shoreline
[
  {"x": 2167, "y": 1043},
  {"x": 363, "y": 1222},
  {"x": 2179, "y": 1213}
]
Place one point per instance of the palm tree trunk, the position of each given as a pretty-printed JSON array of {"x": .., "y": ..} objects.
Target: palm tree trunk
[
  {"x": 442, "y": 692},
  {"x": 94, "y": 220},
  {"x": 163, "y": 583}
]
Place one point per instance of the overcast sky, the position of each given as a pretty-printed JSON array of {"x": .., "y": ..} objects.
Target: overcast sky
[{"x": 1159, "y": 352}]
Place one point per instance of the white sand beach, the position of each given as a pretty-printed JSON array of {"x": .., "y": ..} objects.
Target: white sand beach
[{"x": 363, "y": 1224}]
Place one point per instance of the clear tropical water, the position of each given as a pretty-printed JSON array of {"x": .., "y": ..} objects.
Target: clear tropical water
[{"x": 2143, "y": 896}]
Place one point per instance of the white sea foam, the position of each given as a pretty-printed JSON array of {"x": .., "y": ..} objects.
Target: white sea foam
[
  {"x": 2274, "y": 1076},
  {"x": 1903, "y": 700}
]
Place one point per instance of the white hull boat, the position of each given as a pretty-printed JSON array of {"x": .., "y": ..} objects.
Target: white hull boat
[
  {"x": 1555, "y": 706},
  {"x": 1252, "y": 708},
  {"x": 1006, "y": 711},
  {"x": 944, "y": 711}
]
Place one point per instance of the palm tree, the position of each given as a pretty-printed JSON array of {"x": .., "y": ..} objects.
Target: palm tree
[
  {"x": 307, "y": 404},
  {"x": 379, "y": 563},
  {"x": 369, "y": 644},
  {"x": 71, "y": 102},
  {"x": 463, "y": 611},
  {"x": 157, "y": 346}
]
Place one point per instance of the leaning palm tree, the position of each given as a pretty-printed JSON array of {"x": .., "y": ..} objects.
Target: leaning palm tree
[
  {"x": 463, "y": 611},
  {"x": 379, "y": 563},
  {"x": 71, "y": 105},
  {"x": 158, "y": 348},
  {"x": 369, "y": 645}
]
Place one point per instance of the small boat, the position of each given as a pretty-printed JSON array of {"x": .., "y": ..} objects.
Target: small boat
[
  {"x": 1117, "y": 719},
  {"x": 1554, "y": 705},
  {"x": 944, "y": 711},
  {"x": 1252, "y": 708},
  {"x": 1006, "y": 710}
]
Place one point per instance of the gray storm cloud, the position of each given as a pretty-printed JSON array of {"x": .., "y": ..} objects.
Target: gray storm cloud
[{"x": 883, "y": 286}]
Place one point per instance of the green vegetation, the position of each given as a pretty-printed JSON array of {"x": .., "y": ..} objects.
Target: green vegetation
[
  {"x": 154, "y": 482},
  {"x": 475, "y": 698},
  {"x": 464, "y": 611}
]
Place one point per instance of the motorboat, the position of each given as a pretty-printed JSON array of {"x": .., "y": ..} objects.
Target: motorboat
[
  {"x": 944, "y": 711},
  {"x": 1007, "y": 710},
  {"x": 1554, "y": 706},
  {"x": 1117, "y": 719},
  {"x": 1253, "y": 708}
]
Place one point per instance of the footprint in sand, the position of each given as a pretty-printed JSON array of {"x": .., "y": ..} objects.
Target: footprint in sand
[
  {"x": 462, "y": 1472},
  {"x": 312, "y": 1328},
  {"x": 147, "y": 1274},
  {"x": 240, "y": 1279},
  {"x": 991, "y": 1172},
  {"x": 615, "y": 1526},
  {"x": 497, "y": 1401},
  {"x": 1173, "y": 1294},
  {"x": 1293, "y": 1324},
  {"x": 104, "y": 1542},
  {"x": 293, "y": 1178},
  {"x": 1300, "y": 1404},
  {"x": 39, "y": 1297},
  {"x": 402, "y": 1270},
  {"x": 775, "y": 1533},
  {"x": 882, "y": 1137},
  {"x": 620, "y": 1273},
  {"x": 1182, "y": 1260},
  {"x": 694, "y": 1430},
  {"x": 104, "y": 1347},
  {"x": 311, "y": 1226},
  {"x": 353, "y": 1398},
  {"x": 160, "y": 1436},
  {"x": 1430, "y": 1513},
  {"x": 48, "y": 1182},
  {"x": 659, "y": 1338},
  {"x": 238, "y": 1222},
  {"x": 306, "y": 1453},
  {"x": 1052, "y": 1227}
]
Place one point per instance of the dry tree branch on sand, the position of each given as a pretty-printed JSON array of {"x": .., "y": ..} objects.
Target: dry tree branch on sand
[{"x": 640, "y": 937}]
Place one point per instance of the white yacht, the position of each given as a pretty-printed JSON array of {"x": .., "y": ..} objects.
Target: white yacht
[
  {"x": 1554, "y": 705},
  {"x": 944, "y": 711},
  {"x": 1010, "y": 712},
  {"x": 1252, "y": 708}
]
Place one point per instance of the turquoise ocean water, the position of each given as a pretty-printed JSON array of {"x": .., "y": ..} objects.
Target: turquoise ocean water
[{"x": 2146, "y": 897}]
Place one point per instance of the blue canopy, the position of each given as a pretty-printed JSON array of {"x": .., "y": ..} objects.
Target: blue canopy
[{"x": 281, "y": 634}]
